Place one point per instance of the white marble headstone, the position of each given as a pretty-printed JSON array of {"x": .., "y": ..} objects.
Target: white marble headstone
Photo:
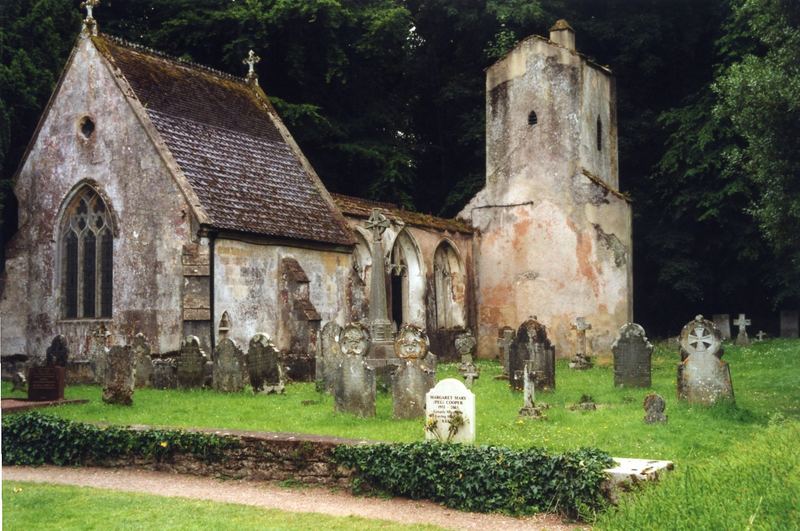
[{"x": 449, "y": 396}]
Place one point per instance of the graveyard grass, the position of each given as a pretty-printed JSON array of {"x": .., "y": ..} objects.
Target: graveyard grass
[
  {"x": 703, "y": 441},
  {"x": 37, "y": 506}
]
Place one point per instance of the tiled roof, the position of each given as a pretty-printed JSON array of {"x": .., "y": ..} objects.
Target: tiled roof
[
  {"x": 362, "y": 208},
  {"x": 245, "y": 174}
]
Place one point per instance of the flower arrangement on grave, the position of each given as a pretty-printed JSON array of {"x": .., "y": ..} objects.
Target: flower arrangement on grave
[{"x": 455, "y": 422}]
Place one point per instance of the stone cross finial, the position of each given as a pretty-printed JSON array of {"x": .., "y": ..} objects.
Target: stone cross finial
[
  {"x": 251, "y": 61},
  {"x": 89, "y": 23},
  {"x": 377, "y": 223}
]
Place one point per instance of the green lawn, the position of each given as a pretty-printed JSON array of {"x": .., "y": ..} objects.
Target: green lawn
[
  {"x": 766, "y": 379},
  {"x": 40, "y": 506}
]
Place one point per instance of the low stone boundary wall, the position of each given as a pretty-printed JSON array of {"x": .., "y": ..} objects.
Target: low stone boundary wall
[{"x": 260, "y": 456}]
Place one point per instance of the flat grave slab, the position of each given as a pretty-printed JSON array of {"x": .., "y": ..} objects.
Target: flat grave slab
[{"x": 630, "y": 470}]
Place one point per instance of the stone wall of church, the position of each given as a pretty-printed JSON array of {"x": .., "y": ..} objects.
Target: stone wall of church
[
  {"x": 153, "y": 220},
  {"x": 249, "y": 286},
  {"x": 554, "y": 235}
]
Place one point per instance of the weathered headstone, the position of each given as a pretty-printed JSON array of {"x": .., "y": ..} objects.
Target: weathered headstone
[
  {"x": 330, "y": 356},
  {"x": 144, "y": 364},
  {"x": 450, "y": 407},
  {"x": 723, "y": 323},
  {"x": 742, "y": 323},
  {"x": 761, "y": 335},
  {"x": 57, "y": 352},
  {"x": 531, "y": 343},
  {"x": 654, "y": 407},
  {"x": 702, "y": 376},
  {"x": 632, "y": 357},
  {"x": 165, "y": 373},
  {"x": 191, "y": 364},
  {"x": 412, "y": 379},
  {"x": 118, "y": 387},
  {"x": 529, "y": 407},
  {"x": 581, "y": 360},
  {"x": 18, "y": 381},
  {"x": 98, "y": 352},
  {"x": 465, "y": 346},
  {"x": 264, "y": 366},
  {"x": 228, "y": 367},
  {"x": 504, "y": 340},
  {"x": 46, "y": 383},
  {"x": 354, "y": 388},
  {"x": 790, "y": 324}
]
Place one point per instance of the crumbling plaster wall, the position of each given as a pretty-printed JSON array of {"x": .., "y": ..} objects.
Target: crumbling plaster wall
[
  {"x": 552, "y": 242},
  {"x": 247, "y": 286},
  {"x": 153, "y": 219}
]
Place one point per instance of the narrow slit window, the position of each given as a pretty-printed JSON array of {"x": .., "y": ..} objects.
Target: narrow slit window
[
  {"x": 599, "y": 134},
  {"x": 533, "y": 119},
  {"x": 87, "y": 271}
]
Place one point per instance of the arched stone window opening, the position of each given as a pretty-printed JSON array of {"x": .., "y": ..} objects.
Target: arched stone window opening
[
  {"x": 87, "y": 245},
  {"x": 406, "y": 287},
  {"x": 449, "y": 287},
  {"x": 533, "y": 119}
]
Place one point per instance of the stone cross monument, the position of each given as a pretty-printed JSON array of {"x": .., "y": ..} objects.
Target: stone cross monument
[
  {"x": 251, "y": 61},
  {"x": 380, "y": 327},
  {"x": 581, "y": 360},
  {"x": 741, "y": 337}
]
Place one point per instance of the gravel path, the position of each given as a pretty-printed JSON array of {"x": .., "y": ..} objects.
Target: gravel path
[{"x": 260, "y": 494}]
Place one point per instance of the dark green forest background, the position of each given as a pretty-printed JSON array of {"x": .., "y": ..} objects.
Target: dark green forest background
[{"x": 386, "y": 97}]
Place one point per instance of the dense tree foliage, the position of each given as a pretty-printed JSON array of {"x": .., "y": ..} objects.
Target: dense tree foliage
[{"x": 387, "y": 99}]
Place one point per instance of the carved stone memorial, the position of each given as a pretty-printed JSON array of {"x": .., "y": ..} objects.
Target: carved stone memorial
[
  {"x": 98, "y": 352},
  {"x": 529, "y": 406},
  {"x": 412, "y": 379},
  {"x": 654, "y": 407},
  {"x": 264, "y": 366},
  {"x": 144, "y": 364},
  {"x": 702, "y": 375},
  {"x": 723, "y": 323},
  {"x": 742, "y": 322},
  {"x": 165, "y": 373},
  {"x": 504, "y": 341},
  {"x": 450, "y": 407},
  {"x": 329, "y": 356},
  {"x": 465, "y": 346},
  {"x": 57, "y": 352},
  {"x": 47, "y": 383},
  {"x": 354, "y": 388},
  {"x": 581, "y": 360},
  {"x": 119, "y": 383},
  {"x": 228, "y": 367},
  {"x": 632, "y": 357},
  {"x": 531, "y": 343},
  {"x": 191, "y": 364}
]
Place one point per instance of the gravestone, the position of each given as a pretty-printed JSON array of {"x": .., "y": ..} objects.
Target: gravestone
[
  {"x": 529, "y": 407},
  {"x": 581, "y": 361},
  {"x": 654, "y": 407},
  {"x": 742, "y": 323},
  {"x": 354, "y": 386},
  {"x": 531, "y": 343},
  {"x": 761, "y": 335},
  {"x": 412, "y": 379},
  {"x": 702, "y": 375},
  {"x": 330, "y": 356},
  {"x": 465, "y": 346},
  {"x": 632, "y": 357},
  {"x": 263, "y": 366},
  {"x": 504, "y": 341},
  {"x": 165, "y": 373},
  {"x": 46, "y": 383},
  {"x": 98, "y": 352},
  {"x": 118, "y": 387},
  {"x": 450, "y": 407},
  {"x": 18, "y": 381},
  {"x": 228, "y": 367},
  {"x": 144, "y": 365},
  {"x": 723, "y": 323},
  {"x": 790, "y": 324},
  {"x": 57, "y": 353},
  {"x": 191, "y": 364}
]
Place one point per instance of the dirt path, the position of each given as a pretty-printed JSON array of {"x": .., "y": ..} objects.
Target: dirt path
[{"x": 306, "y": 500}]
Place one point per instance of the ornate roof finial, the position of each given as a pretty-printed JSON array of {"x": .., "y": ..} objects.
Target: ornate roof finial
[
  {"x": 251, "y": 61},
  {"x": 89, "y": 23}
]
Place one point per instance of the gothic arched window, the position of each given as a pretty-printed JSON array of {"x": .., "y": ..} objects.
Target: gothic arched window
[
  {"x": 87, "y": 245},
  {"x": 448, "y": 286}
]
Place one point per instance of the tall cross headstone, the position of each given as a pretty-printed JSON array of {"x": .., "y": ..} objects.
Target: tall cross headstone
[
  {"x": 251, "y": 60},
  {"x": 702, "y": 375},
  {"x": 581, "y": 360},
  {"x": 379, "y": 325},
  {"x": 741, "y": 337},
  {"x": 504, "y": 341},
  {"x": 761, "y": 335},
  {"x": 465, "y": 346}
]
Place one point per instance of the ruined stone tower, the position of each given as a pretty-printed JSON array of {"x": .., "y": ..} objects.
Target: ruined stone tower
[{"x": 554, "y": 232}]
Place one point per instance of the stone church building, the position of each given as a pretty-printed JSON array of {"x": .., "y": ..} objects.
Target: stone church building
[{"x": 163, "y": 197}]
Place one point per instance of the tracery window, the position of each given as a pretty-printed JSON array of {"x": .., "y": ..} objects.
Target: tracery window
[{"x": 87, "y": 251}]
